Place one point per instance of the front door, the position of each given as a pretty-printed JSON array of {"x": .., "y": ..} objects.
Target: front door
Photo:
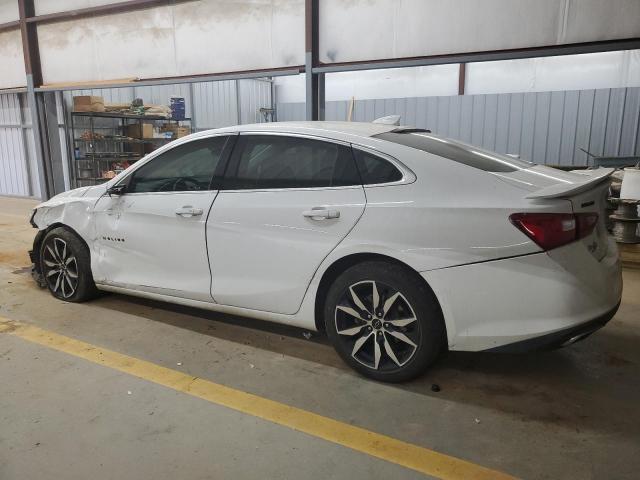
[
  {"x": 288, "y": 202},
  {"x": 152, "y": 237}
]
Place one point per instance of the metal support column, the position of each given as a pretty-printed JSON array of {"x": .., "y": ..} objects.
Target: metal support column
[
  {"x": 52, "y": 139},
  {"x": 314, "y": 81},
  {"x": 311, "y": 99},
  {"x": 46, "y": 136},
  {"x": 321, "y": 101},
  {"x": 192, "y": 105},
  {"x": 274, "y": 101},
  {"x": 32, "y": 68},
  {"x": 462, "y": 78},
  {"x": 238, "y": 102},
  {"x": 46, "y": 188}
]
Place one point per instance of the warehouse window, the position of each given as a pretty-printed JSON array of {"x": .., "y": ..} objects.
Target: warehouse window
[
  {"x": 270, "y": 161},
  {"x": 456, "y": 151},
  {"x": 187, "y": 167}
]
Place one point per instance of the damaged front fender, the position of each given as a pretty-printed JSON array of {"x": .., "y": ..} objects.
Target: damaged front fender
[{"x": 73, "y": 210}]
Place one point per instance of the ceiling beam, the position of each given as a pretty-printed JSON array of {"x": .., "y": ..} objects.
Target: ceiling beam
[
  {"x": 127, "y": 6},
  {"x": 493, "y": 55},
  {"x": 108, "y": 9},
  {"x": 213, "y": 77},
  {"x": 9, "y": 25}
]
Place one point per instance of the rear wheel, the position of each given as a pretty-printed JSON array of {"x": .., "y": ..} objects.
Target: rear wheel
[
  {"x": 384, "y": 322},
  {"x": 65, "y": 266}
]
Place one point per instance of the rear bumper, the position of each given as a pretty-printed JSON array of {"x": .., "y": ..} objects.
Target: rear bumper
[
  {"x": 559, "y": 339},
  {"x": 527, "y": 302}
]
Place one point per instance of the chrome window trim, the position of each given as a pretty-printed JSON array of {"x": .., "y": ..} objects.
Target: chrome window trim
[
  {"x": 297, "y": 135},
  {"x": 179, "y": 192},
  {"x": 293, "y": 189}
]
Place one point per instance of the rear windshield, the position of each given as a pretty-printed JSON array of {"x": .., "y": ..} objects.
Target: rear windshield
[{"x": 456, "y": 151}]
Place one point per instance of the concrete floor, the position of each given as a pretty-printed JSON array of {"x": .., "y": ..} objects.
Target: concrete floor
[{"x": 571, "y": 413}]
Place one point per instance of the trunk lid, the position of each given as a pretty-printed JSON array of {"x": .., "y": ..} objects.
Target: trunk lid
[
  {"x": 594, "y": 200},
  {"x": 587, "y": 191}
]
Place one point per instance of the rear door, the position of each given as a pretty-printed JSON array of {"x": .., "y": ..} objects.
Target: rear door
[{"x": 287, "y": 202}]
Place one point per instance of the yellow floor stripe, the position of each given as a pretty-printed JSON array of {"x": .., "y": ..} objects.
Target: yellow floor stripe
[{"x": 381, "y": 446}]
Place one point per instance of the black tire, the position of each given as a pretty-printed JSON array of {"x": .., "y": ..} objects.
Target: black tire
[
  {"x": 74, "y": 282},
  {"x": 414, "y": 300}
]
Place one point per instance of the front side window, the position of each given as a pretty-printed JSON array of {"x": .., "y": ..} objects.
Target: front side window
[
  {"x": 273, "y": 161},
  {"x": 187, "y": 167}
]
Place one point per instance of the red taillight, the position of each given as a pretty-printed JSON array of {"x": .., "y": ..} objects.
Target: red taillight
[{"x": 552, "y": 230}]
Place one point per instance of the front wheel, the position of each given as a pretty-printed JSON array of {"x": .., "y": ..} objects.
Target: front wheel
[
  {"x": 384, "y": 322},
  {"x": 66, "y": 266}
]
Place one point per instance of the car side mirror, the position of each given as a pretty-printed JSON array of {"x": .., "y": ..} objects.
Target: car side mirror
[{"x": 117, "y": 189}]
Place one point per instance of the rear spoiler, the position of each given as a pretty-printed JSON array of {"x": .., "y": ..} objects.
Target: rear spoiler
[{"x": 567, "y": 189}]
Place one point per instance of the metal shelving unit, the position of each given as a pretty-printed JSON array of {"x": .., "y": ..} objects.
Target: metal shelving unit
[{"x": 92, "y": 157}]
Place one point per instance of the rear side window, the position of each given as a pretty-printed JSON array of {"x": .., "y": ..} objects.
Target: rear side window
[
  {"x": 456, "y": 151},
  {"x": 375, "y": 170},
  {"x": 274, "y": 161}
]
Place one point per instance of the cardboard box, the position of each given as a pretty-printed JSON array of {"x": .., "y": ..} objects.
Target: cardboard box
[
  {"x": 88, "y": 103},
  {"x": 182, "y": 132},
  {"x": 177, "y": 130},
  {"x": 133, "y": 130}
]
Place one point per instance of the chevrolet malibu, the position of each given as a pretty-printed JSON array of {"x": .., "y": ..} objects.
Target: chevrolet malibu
[{"x": 399, "y": 243}]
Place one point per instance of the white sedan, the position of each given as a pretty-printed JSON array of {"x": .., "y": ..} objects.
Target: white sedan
[{"x": 399, "y": 243}]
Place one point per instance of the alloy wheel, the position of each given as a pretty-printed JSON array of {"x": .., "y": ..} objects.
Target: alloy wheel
[
  {"x": 377, "y": 324},
  {"x": 60, "y": 268}
]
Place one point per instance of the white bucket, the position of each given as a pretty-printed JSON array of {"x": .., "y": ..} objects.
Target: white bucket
[{"x": 630, "y": 189}]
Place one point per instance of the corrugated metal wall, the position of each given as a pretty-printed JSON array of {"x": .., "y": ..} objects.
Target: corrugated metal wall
[
  {"x": 225, "y": 103},
  {"x": 217, "y": 104},
  {"x": 543, "y": 127},
  {"x": 253, "y": 95},
  {"x": 30, "y": 160},
  {"x": 16, "y": 141}
]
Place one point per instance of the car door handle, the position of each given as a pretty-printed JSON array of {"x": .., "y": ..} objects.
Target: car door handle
[
  {"x": 321, "y": 213},
  {"x": 188, "y": 211}
]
